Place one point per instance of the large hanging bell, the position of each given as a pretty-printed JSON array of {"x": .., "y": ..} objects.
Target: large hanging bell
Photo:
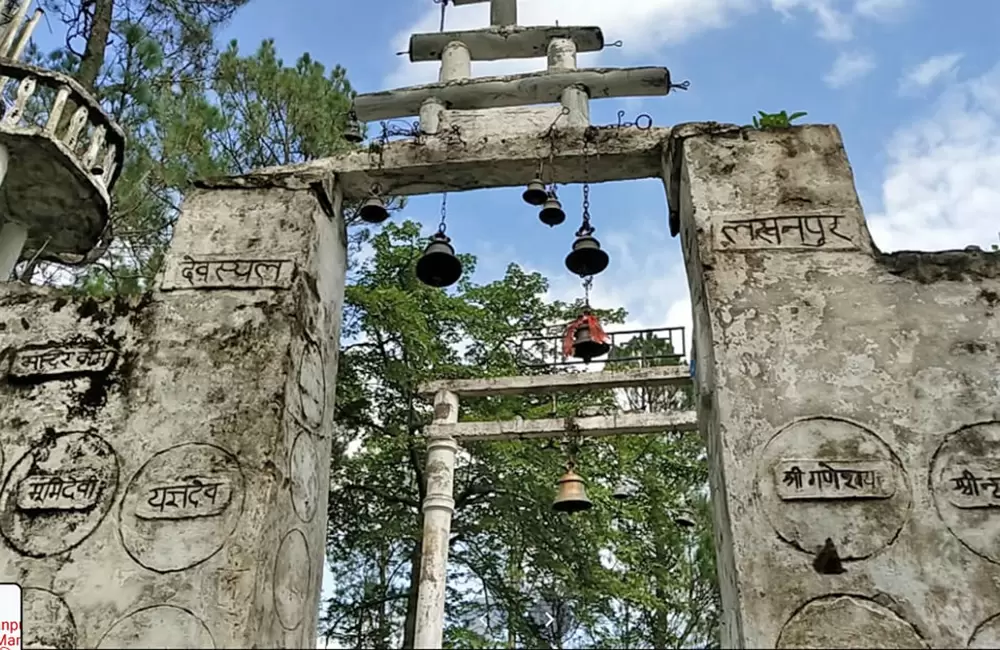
[
  {"x": 438, "y": 266},
  {"x": 585, "y": 347},
  {"x": 552, "y": 213},
  {"x": 572, "y": 494},
  {"x": 373, "y": 211},
  {"x": 624, "y": 490},
  {"x": 586, "y": 258},
  {"x": 535, "y": 194}
]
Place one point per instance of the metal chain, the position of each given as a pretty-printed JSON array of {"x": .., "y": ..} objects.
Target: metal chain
[
  {"x": 588, "y": 282},
  {"x": 444, "y": 214},
  {"x": 585, "y": 227},
  {"x": 444, "y": 8}
]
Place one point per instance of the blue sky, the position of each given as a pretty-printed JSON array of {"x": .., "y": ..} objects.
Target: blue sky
[{"x": 914, "y": 88}]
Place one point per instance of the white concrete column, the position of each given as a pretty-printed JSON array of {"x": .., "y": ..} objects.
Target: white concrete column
[
  {"x": 456, "y": 62},
  {"x": 12, "y": 235},
  {"x": 503, "y": 12},
  {"x": 438, "y": 507},
  {"x": 562, "y": 54},
  {"x": 430, "y": 116}
]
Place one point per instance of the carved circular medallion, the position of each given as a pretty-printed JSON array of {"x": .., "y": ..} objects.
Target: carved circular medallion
[
  {"x": 843, "y": 621},
  {"x": 292, "y": 579},
  {"x": 311, "y": 386},
  {"x": 159, "y": 626},
  {"x": 304, "y": 473},
  {"x": 181, "y": 507},
  {"x": 58, "y": 493},
  {"x": 47, "y": 621},
  {"x": 965, "y": 482},
  {"x": 823, "y": 478}
]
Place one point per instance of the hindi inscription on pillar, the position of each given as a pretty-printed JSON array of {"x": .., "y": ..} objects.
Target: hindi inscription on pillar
[
  {"x": 229, "y": 272},
  {"x": 37, "y": 361},
  {"x": 829, "y": 478},
  {"x": 965, "y": 482},
  {"x": 803, "y": 232},
  {"x": 833, "y": 479}
]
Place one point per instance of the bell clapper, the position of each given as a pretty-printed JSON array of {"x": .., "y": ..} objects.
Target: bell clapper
[
  {"x": 438, "y": 266},
  {"x": 374, "y": 210}
]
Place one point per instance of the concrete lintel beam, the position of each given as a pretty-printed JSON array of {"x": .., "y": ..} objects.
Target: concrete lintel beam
[
  {"x": 588, "y": 427},
  {"x": 433, "y": 165},
  {"x": 531, "y": 88},
  {"x": 495, "y": 43},
  {"x": 561, "y": 382}
]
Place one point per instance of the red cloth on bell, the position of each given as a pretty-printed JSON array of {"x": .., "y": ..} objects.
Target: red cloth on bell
[{"x": 589, "y": 321}]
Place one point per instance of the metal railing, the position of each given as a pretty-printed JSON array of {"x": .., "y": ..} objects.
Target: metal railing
[{"x": 658, "y": 346}]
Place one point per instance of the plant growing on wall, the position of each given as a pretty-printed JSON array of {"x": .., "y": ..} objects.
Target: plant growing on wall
[{"x": 780, "y": 120}]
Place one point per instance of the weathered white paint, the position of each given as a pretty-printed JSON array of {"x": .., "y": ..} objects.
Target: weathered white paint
[
  {"x": 596, "y": 426},
  {"x": 438, "y": 507},
  {"x": 678, "y": 375},
  {"x": 514, "y": 90},
  {"x": 439, "y": 166},
  {"x": 12, "y": 235},
  {"x": 562, "y": 54},
  {"x": 430, "y": 116},
  {"x": 501, "y": 123},
  {"x": 12, "y": 28},
  {"x": 455, "y": 62},
  {"x": 512, "y": 42}
]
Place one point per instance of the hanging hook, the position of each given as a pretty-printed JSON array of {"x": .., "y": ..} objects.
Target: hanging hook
[{"x": 442, "y": 227}]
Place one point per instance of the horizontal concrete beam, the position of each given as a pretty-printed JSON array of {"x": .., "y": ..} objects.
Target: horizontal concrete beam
[
  {"x": 589, "y": 427},
  {"x": 511, "y": 42},
  {"x": 560, "y": 382},
  {"x": 526, "y": 89},
  {"x": 443, "y": 164}
]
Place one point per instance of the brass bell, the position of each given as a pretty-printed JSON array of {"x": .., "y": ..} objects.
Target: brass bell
[
  {"x": 585, "y": 347},
  {"x": 624, "y": 490},
  {"x": 373, "y": 211},
  {"x": 552, "y": 213},
  {"x": 352, "y": 132},
  {"x": 535, "y": 194},
  {"x": 685, "y": 518},
  {"x": 572, "y": 494},
  {"x": 586, "y": 258},
  {"x": 438, "y": 266}
]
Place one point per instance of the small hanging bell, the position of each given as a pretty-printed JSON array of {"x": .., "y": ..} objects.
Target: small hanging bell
[
  {"x": 352, "y": 131},
  {"x": 535, "y": 194},
  {"x": 438, "y": 266},
  {"x": 623, "y": 491},
  {"x": 586, "y": 258},
  {"x": 585, "y": 347},
  {"x": 373, "y": 211},
  {"x": 552, "y": 213},
  {"x": 572, "y": 494},
  {"x": 685, "y": 518}
]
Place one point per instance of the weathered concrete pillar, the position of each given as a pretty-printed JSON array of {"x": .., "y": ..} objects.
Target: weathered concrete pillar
[
  {"x": 438, "y": 508},
  {"x": 850, "y": 402},
  {"x": 166, "y": 460},
  {"x": 456, "y": 62}
]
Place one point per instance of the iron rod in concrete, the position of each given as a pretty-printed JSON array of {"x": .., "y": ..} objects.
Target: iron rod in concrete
[{"x": 438, "y": 507}]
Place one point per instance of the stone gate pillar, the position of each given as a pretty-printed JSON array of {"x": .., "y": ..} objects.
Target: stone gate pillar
[
  {"x": 166, "y": 460},
  {"x": 850, "y": 402}
]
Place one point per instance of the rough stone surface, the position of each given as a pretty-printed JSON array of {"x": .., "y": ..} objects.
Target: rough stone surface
[
  {"x": 225, "y": 388},
  {"x": 845, "y": 395}
]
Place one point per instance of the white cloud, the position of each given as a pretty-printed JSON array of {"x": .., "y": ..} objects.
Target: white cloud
[
  {"x": 942, "y": 186},
  {"x": 848, "y": 67},
  {"x": 645, "y": 26},
  {"x": 926, "y": 73},
  {"x": 880, "y": 9}
]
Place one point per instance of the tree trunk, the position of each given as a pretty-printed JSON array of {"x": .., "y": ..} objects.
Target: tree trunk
[
  {"x": 97, "y": 42},
  {"x": 410, "y": 625}
]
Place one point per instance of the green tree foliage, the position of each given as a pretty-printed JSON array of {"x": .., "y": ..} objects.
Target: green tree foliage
[{"x": 513, "y": 561}]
